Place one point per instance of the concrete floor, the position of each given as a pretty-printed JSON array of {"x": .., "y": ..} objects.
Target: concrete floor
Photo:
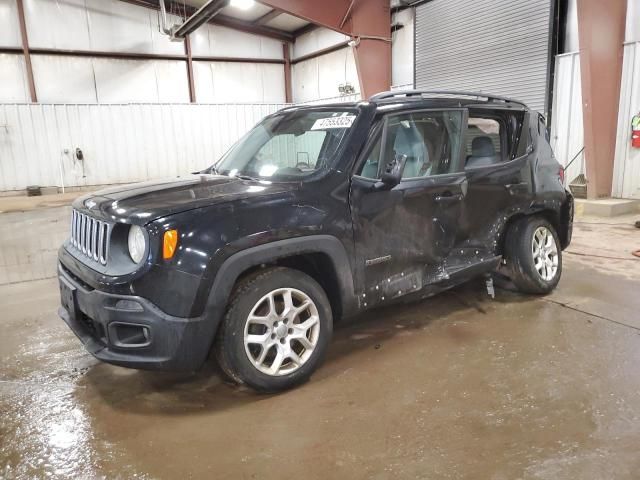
[{"x": 457, "y": 386}]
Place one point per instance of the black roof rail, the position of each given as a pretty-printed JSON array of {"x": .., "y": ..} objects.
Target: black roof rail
[{"x": 453, "y": 93}]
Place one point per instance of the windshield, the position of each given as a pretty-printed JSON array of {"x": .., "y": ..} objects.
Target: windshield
[{"x": 288, "y": 146}]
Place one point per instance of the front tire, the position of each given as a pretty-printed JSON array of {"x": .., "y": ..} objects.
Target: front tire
[
  {"x": 276, "y": 330},
  {"x": 533, "y": 255}
]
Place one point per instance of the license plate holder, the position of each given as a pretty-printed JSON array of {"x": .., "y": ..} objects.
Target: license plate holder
[{"x": 68, "y": 298}]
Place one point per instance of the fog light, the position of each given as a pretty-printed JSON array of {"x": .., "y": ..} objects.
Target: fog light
[
  {"x": 129, "y": 305},
  {"x": 129, "y": 334}
]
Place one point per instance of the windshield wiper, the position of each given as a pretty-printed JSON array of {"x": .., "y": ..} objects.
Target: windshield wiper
[{"x": 247, "y": 177}]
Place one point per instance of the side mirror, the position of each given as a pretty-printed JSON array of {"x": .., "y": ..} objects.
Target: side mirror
[{"x": 392, "y": 173}]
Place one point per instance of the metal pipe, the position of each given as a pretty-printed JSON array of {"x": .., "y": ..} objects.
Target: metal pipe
[
  {"x": 163, "y": 19},
  {"x": 202, "y": 15}
]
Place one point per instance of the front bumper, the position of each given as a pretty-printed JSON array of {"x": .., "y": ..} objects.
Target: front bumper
[{"x": 130, "y": 331}]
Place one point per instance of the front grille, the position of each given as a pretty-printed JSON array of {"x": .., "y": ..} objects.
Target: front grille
[{"x": 90, "y": 236}]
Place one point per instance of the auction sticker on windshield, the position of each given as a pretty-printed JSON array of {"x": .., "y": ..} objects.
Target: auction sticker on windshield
[{"x": 334, "y": 122}]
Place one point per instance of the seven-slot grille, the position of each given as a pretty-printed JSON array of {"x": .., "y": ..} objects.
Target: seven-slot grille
[{"x": 90, "y": 236}]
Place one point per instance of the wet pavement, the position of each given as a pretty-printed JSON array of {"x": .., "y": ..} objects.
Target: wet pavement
[{"x": 457, "y": 386}]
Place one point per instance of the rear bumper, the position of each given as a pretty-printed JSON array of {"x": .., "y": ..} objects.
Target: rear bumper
[
  {"x": 131, "y": 331},
  {"x": 566, "y": 221}
]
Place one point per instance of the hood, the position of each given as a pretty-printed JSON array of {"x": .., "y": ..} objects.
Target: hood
[{"x": 140, "y": 203}]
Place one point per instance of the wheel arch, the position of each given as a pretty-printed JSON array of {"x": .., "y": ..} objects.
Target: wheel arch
[
  {"x": 322, "y": 257},
  {"x": 551, "y": 216}
]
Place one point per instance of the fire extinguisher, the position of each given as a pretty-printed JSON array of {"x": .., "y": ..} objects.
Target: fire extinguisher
[{"x": 635, "y": 131}]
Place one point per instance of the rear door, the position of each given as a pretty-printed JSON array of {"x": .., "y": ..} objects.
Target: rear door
[
  {"x": 403, "y": 235},
  {"x": 499, "y": 176}
]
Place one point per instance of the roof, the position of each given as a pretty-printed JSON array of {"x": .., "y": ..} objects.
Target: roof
[
  {"x": 410, "y": 99},
  {"x": 445, "y": 97}
]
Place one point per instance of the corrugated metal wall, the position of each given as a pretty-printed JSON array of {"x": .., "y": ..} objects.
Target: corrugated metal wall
[
  {"x": 567, "y": 134},
  {"x": 493, "y": 46},
  {"x": 120, "y": 143},
  {"x": 117, "y": 26},
  {"x": 626, "y": 173}
]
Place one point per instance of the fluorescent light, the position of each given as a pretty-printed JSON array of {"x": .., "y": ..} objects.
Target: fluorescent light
[{"x": 242, "y": 4}]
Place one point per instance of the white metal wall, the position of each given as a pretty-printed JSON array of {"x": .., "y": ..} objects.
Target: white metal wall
[
  {"x": 567, "y": 134},
  {"x": 626, "y": 172},
  {"x": 120, "y": 143},
  {"x": 319, "y": 77},
  {"x": 402, "y": 45},
  {"x": 117, "y": 26}
]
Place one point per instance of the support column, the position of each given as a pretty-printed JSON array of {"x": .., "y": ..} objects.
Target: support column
[
  {"x": 192, "y": 86},
  {"x": 601, "y": 29},
  {"x": 367, "y": 22},
  {"x": 25, "y": 51},
  {"x": 371, "y": 28},
  {"x": 287, "y": 73}
]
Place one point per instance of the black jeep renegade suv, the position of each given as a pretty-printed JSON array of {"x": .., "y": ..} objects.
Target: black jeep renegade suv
[{"x": 318, "y": 213}]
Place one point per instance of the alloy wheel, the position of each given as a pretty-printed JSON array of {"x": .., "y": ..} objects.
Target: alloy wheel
[
  {"x": 545, "y": 253},
  {"x": 281, "y": 331}
]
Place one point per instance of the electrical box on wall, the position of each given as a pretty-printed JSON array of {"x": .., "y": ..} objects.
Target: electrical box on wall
[{"x": 346, "y": 89}]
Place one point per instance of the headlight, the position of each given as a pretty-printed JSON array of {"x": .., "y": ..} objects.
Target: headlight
[{"x": 137, "y": 243}]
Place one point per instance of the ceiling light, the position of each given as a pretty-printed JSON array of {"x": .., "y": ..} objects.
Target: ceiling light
[{"x": 242, "y": 4}]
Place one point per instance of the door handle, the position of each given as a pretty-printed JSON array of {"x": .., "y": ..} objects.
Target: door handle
[
  {"x": 514, "y": 188},
  {"x": 448, "y": 197}
]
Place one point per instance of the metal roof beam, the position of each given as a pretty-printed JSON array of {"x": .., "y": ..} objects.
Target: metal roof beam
[{"x": 266, "y": 18}]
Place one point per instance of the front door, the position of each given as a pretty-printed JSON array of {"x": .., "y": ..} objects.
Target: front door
[{"x": 403, "y": 235}]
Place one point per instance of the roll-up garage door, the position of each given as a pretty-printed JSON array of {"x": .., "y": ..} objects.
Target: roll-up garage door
[{"x": 493, "y": 46}]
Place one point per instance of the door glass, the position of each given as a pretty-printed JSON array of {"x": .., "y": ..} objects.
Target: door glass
[
  {"x": 484, "y": 139},
  {"x": 430, "y": 140},
  {"x": 371, "y": 167}
]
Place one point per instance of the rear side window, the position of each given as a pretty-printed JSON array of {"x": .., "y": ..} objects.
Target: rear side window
[
  {"x": 483, "y": 127},
  {"x": 492, "y": 137},
  {"x": 542, "y": 127}
]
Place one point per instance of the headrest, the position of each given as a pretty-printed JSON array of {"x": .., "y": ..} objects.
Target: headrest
[{"x": 482, "y": 147}]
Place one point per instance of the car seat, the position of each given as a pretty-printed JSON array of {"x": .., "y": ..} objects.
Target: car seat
[{"x": 482, "y": 152}]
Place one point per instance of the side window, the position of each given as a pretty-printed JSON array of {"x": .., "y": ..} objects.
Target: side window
[
  {"x": 484, "y": 141},
  {"x": 430, "y": 140},
  {"x": 542, "y": 127},
  {"x": 492, "y": 137},
  {"x": 371, "y": 167}
]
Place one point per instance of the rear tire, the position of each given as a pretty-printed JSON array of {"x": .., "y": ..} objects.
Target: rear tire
[
  {"x": 276, "y": 330},
  {"x": 533, "y": 255}
]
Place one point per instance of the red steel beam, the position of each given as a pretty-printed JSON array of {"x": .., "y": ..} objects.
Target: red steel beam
[
  {"x": 368, "y": 22},
  {"x": 139, "y": 56},
  {"x": 267, "y": 17},
  {"x": 287, "y": 73},
  {"x": 25, "y": 51},
  {"x": 601, "y": 30},
  {"x": 192, "y": 86}
]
